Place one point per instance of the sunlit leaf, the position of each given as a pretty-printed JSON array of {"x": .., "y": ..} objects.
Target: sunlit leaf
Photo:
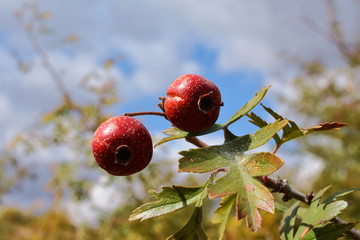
[
  {"x": 263, "y": 163},
  {"x": 318, "y": 213},
  {"x": 207, "y": 159},
  {"x": 170, "y": 199},
  {"x": 249, "y": 194},
  {"x": 258, "y": 121},
  {"x": 248, "y": 106},
  {"x": 264, "y": 134}
]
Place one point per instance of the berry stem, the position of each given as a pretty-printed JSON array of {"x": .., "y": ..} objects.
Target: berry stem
[
  {"x": 144, "y": 113},
  {"x": 197, "y": 142}
]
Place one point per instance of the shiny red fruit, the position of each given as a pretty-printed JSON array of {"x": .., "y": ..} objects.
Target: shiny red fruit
[
  {"x": 122, "y": 146},
  {"x": 193, "y": 104}
]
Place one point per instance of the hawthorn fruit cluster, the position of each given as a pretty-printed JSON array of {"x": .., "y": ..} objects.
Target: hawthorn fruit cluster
[{"x": 123, "y": 146}]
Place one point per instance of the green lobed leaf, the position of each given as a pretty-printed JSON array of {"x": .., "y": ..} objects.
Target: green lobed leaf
[
  {"x": 315, "y": 220},
  {"x": 170, "y": 199},
  {"x": 316, "y": 200},
  {"x": 318, "y": 213},
  {"x": 287, "y": 225},
  {"x": 248, "y": 106},
  {"x": 176, "y": 133},
  {"x": 222, "y": 213},
  {"x": 251, "y": 195},
  {"x": 207, "y": 159},
  {"x": 328, "y": 231},
  {"x": 264, "y": 134},
  {"x": 342, "y": 193},
  {"x": 192, "y": 230},
  {"x": 258, "y": 121}
]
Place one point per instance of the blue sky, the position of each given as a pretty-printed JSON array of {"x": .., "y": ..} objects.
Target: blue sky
[{"x": 236, "y": 44}]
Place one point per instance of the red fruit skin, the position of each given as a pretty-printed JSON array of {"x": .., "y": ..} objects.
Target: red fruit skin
[
  {"x": 181, "y": 107},
  {"x": 117, "y": 131}
]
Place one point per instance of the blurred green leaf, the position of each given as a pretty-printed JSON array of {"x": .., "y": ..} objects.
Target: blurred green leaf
[
  {"x": 192, "y": 230},
  {"x": 280, "y": 207}
]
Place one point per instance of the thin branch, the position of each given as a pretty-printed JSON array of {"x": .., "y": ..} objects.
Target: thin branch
[
  {"x": 145, "y": 113},
  {"x": 282, "y": 186},
  {"x": 55, "y": 75},
  {"x": 276, "y": 148}
]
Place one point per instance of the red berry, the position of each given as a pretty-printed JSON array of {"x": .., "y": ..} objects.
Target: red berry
[
  {"x": 122, "y": 146},
  {"x": 193, "y": 104}
]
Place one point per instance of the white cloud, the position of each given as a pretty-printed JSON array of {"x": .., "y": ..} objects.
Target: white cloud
[{"x": 82, "y": 213}]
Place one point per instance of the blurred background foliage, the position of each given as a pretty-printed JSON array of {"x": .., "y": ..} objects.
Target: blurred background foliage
[
  {"x": 331, "y": 94},
  {"x": 322, "y": 94}
]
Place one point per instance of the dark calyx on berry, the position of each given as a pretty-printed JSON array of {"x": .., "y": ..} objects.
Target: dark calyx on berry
[
  {"x": 207, "y": 102},
  {"x": 123, "y": 155}
]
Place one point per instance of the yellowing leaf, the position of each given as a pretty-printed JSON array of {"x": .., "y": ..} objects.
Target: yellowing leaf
[
  {"x": 251, "y": 195},
  {"x": 262, "y": 164},
  {"x": 292, "y": 131}
]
